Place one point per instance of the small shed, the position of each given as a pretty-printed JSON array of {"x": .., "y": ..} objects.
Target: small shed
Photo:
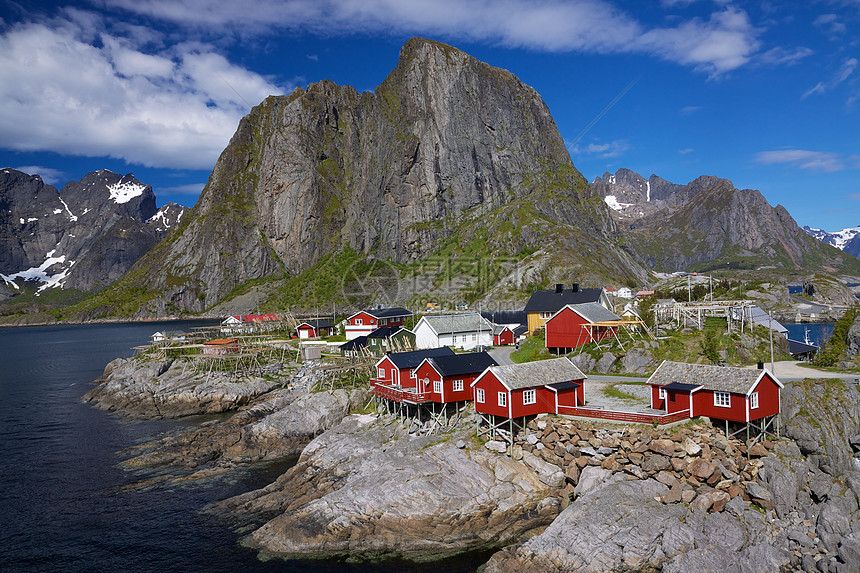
[{"x": 315, "y": 329}]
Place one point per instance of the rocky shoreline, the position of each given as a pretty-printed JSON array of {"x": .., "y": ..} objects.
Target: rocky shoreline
[{"x": 573, "y": 496}]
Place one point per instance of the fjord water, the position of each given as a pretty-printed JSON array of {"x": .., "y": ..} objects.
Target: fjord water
[{"x": 66, "y": 506}]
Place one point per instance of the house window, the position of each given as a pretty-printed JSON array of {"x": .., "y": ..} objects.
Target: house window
[
  {"x": 546, "y": 315},
  {"x": 662, "y": 394},
  {"x": 503, "y": 399},
  {"x": 412, "y": 374},
  {"x": 754, "y": 400},
  {"x": 458, "y": 385},
  {"x": 722, "y": 399},
  {"x": 358, "y": 322},
  {"x": 479, "y": 395},
  {"x": 474, "y": 337},
  {"x": 383, "y": 322},
  {"x": 437, "y": 386},
  {"x": 380, "y": 372},
  {"x": 529, "y": 397}
]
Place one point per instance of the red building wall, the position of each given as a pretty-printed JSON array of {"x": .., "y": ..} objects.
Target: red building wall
[
  {"x": 392, "y": 375},
  {"x": 427, "y": 375},
  {"x": 491, "y": 386},
  {"x": 505, "y": 338},
  {"x": 366, "y": 319},
  {"x": 677, "y": 401},
  {"x": 565, "y": 330},
  {"x": 768, "y": 398},
  {"x": 703, "y": 405},
  {"x": 656, "y": 402}
]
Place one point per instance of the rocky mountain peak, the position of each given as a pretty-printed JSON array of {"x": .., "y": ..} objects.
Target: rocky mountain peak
[
  {"x": 391, "y": 174},
  {"x": 84, "y": 237}
]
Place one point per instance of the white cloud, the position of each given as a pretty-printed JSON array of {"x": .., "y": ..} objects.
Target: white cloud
[
  {"x": 780, "y": 56},
  {"x": 804, "y": 159},
  {"x": 48, "y": 175},
  {"x": 686, "y": 150},
  {"x": 601, "y": 150},
  {"x": 690, "y": 109},
  {"x": 189, "y": 189},
  {"x": 105, "y": 95},
  {"x": 724, "y": 42},
  {"x": 845, "y": 71},
  {"x": 831, "y": 24}
]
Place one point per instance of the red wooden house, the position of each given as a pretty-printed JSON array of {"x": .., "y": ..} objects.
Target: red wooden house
[
  {"x": 396, "y": 370},
  {"x": 519, "y": 390},
  {"x": 720, "y": 392},
  {"x": 449, "y": 378},
  {"x": 366, "y": 321},
  {"x": 578, "y": 324},
  {"x": 315, "y": 328}
]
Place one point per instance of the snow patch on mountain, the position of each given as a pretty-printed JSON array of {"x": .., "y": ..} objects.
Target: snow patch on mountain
[
  {"x": 614, "y": 204},
  {"x": 40, "y": 273},
  {"x": 838, "y": 239},
  {"x": 125, "y": 191}
]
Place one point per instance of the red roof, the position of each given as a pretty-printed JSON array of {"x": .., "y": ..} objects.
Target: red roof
[
  {"x": 255, "y": 317},
  {"x": 220, "y": 341}
]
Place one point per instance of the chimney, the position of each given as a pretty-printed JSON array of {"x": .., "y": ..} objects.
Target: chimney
[
  {"x": 575, "y": 287},
  {"x": 559, "y": 288}
]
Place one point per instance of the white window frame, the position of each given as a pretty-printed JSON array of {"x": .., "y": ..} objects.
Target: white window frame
[
  {"x": 458, "y": 385},
  {"x": 437, "y": 386},
  {"x": 503, "y": 399},
  {"x": 412, "y": 373},
  {"x": 546, "y": 315},
  {"x": 358, "y": 322},
  {"x": 753, "y": 400},
  {"x": 474, "y": 336},
  {"x": 380, "y": 372},
  {"x": 661, "y": 395},
  {"x": 479, "y": 395},
  {"x": 723, "y": 399},
  {"x": 529, "y": 397}
]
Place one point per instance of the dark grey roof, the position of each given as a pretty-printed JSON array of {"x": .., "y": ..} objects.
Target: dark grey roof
[
  {"x": 539, "y": 373},
  {"x": 506, "y": 316},
  {"x": 593, "y": 312},
  {"x": 316, "y": 324},
  {"x": 354, "y": 344},
  {"x": 720, "y": 378},
  {"x": 551, "y": 301},
  {"x": 564, "y": 385},
  {"x": 385, "y": 332},
  {"x": 797, "y": 347},
  {"x": 415, "y": 357},
  {"x": 460, "y": 364},
  {"x": 388, "y": 312},
  {"x": 681, "y": 386}
]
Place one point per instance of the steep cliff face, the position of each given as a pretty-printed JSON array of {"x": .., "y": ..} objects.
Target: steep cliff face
[
  {"x": 83, "y": 237},
  {"x": 709, "y": 224},
  {"x": 445, "y": 141}
]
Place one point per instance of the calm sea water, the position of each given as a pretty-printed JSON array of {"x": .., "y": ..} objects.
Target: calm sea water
[
  {"x": 818, "y": 333},
  {"x": 64, "y": 503}
]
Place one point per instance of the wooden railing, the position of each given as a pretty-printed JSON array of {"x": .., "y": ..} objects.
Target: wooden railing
[
  {"x": 398, "y": 393},
  {"x": 625, "y": 416}
]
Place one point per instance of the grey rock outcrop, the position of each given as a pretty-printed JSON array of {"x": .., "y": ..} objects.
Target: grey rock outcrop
[
  {"x": 157, "y": 389},
  {"x": 356, "y": 491}
]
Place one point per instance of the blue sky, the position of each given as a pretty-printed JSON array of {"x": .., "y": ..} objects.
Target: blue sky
[{"x": 766, "y": 94}]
